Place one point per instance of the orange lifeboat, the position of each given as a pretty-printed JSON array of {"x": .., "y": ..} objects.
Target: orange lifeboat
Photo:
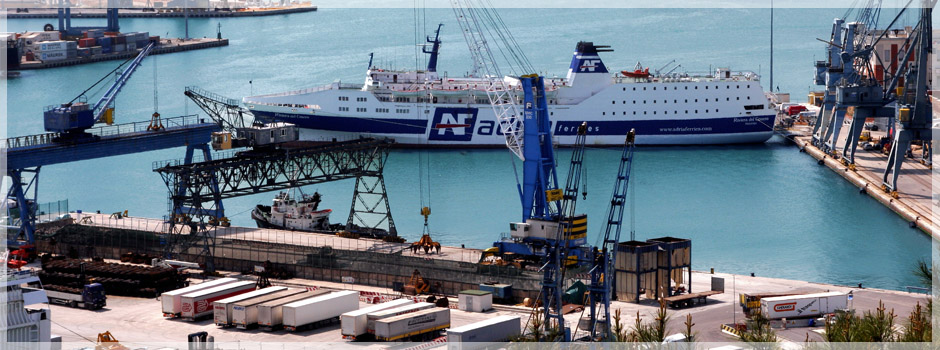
[{"x": 645, "y": 73}]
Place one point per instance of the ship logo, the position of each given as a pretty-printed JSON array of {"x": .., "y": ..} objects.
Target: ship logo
[
  {"x": 785, "y": 307},
  {"x": 452, "y": 124},
  {"x": 589, "y": 65},
  {"x": 202, "y": 305}
]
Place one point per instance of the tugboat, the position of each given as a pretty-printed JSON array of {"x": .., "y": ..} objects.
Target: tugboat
[{"x": 292, "y": 214}]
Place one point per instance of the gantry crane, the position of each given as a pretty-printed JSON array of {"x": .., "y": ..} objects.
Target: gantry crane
[
  {"x": 70, "y": 137},
  {"x": 603, "y": 273}
]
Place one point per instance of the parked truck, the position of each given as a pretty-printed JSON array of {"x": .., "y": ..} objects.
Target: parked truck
[
  {"x": 271, "y": 314},
  {"x": 223, "y": 308},
  {"x": 476, "y": 335},
  {"x": 244, "y": 314},
  {"x": 375, "y": 316},
  {"x": 806, "y": 305},
  {"x": 172, "y": 302},
  {"x": 353, "y": 323},
  {"x": 92, "y": 297},
  {"x": 198, "y": 304},
  {"x": 307, "y": 313},
  {"x": 415, "y": 326}
]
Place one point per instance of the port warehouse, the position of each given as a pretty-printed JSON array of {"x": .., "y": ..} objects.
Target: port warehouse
[{"x": 332, "y": 264}]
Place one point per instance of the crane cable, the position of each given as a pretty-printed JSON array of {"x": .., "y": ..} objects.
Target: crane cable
[{"x": 108, "y": 74}]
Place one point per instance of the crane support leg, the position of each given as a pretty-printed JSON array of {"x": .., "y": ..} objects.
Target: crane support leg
[
  {"x": 855, "y": 131},
  {"x": 20, "y": 188},
  {"x": 366, "y": 214}
]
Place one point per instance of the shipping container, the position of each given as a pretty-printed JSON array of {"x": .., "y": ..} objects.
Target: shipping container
[
  {"x": 353, "y": 323},
  {"x": 245, "y": 313},
  {"x": 84, "y": 52},
  {"x": 141, "y": 43},
  {"x": 94, "y": 33},
  {"x": 270, "y": 314},
  {"x": 53, "y": 55},
  {"x": 131, "y": 46},
  {"x": 476, "y": 335},
  {"x": 119, "y": 47},
  {"x": 223, "y": 308},
  {"x": 120, "y": 39},
  {"x": 50, "y": 46},
  {"x": 372, "y": 317},
  {"x": 105, "y": 41},
  {"x": 806, "y": 305},
  {"x": 71, "y": 53},
  {"x": 86, "y": 42},
  {"x": 96, "y": 50},
  {"x": 305, "y": 313},
  {"x": 71, "y": 45},
  {"x": 198, "y": 304},
  {"x": 171, "y": 300},
  {"x": 424, "y": 323}
]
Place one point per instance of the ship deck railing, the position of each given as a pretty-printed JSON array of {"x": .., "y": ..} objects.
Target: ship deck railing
[{"x": 334, "y": 86}]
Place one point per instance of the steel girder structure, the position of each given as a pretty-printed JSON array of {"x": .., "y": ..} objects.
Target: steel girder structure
[{"x": 197, "y": 189}]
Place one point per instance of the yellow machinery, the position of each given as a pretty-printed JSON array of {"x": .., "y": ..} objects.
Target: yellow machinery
[
  {"x": 106, "y": 341},
  {"x": 417, "y": 284}
]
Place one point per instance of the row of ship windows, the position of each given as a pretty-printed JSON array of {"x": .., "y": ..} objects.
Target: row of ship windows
[
  {"x": 358, "y": 99},
  {"x": 654, "y": 112},
  {"x": 677, "y": 101},
  {"x": 377, "y": 110},
  {"x": 696, "y": 88}
]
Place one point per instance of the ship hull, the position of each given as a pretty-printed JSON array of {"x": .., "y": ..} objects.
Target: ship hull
[{"x": 471, "y": 133}]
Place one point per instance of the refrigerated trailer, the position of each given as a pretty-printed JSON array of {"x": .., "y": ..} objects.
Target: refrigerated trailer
[
  {"x": 198, "y": 304},
  {"x": 353, "y": 323},
  {"x": 271, "y": 313},
  {"x": 375, "y": 316},
  {"x": 477, "y": 335},
  {"x": 806, "y": 305},
  {"x": 223, "y": 308},
  {"x": 245, "y": 312},
  {"x": 171, "y": 300},
  {"x": 421, "y": 325},
  {"x": 307, "y": 313}
]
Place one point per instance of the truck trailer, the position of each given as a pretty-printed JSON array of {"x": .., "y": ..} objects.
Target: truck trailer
[
  {"x": 353, "y": 323},
  {"x": 306, "y": 313},
  {"x": 172, "y": 301},
  {"x": 401, "y": 310},
  {"x": 416, "y": 326},
  {"x": 223, "y": 308},
  {"x": 198, "y": 304},
  {"x": 801, "y": 306},
  {"x": 271, "y": 313},
  {"x": 245, "y": 312},
  {"x": 476, "y": 335},
  {"x": 92, "y": 297}
]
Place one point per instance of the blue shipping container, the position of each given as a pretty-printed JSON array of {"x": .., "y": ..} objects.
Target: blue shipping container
[
  {"x": 105, "y": 49},
  {"x": 106, "y": 40}
]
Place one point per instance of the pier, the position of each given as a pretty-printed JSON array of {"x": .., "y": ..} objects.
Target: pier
[
  {"x": 371, "y": 267},
  {"x": 166, "y": 46},
  {"x": 916, "y": 201},
  {"x": 141, "y": 13}
]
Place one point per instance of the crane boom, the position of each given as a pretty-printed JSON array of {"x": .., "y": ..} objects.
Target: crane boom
[
  {"x": 111, "y": 94},
  {"x": 498, "y": 91},
  {"x": 602, "y": 275}
]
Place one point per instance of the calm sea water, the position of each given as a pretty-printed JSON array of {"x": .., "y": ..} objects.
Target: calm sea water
[{"x": 765, "y": 209}]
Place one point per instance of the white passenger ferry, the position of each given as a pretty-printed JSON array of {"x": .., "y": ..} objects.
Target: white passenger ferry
[{"x": 422, "y": 108}]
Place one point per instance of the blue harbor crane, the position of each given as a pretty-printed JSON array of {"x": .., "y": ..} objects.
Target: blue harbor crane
[
  {"x": 550, "y": 233},
  {"x": 72, "y": 136},
  {"x": 435, "y": 49},
  {"x": 603, "y": 273}
]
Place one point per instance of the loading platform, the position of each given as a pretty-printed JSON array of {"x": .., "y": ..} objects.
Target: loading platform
[
  {"x": 916, "y": 201},
  {"x": 690, "y": 299}
]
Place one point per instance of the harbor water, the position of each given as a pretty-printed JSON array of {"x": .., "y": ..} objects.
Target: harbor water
[{"x": 763, "y": 209}]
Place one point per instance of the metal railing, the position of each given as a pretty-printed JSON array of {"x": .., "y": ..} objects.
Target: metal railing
[{"x": 109, "y": 130}]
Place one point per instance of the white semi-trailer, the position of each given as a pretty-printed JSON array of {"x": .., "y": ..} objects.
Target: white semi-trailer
[
  {"x": 477, "y": 335},
  {"x": 245, "y": 312},
  {"x": 806, "y": 305},
  {"x": 271, "y": 314},
  {"x": 171, "y": 300},
  {"x": 401, "y": 310},
  {"x": 421, "y": 325},
  {"x": 304, "y": 313},
  {"x": 353, "y": 323},
  {"x": 223, "y": 308},
  {"x": 198, "y": 304}
]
